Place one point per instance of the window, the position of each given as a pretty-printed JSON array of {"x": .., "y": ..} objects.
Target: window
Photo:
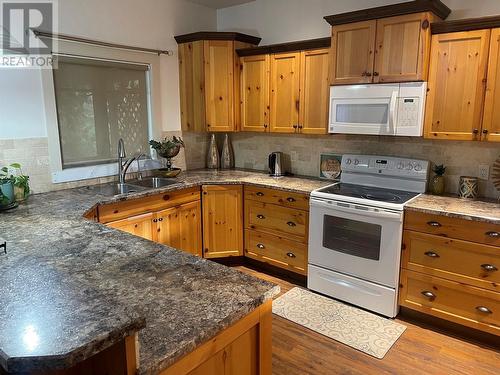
[{"x": 98, "y": 102}]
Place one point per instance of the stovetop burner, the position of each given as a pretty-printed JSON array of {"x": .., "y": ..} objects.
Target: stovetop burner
[{"x": 370, "y": 193}]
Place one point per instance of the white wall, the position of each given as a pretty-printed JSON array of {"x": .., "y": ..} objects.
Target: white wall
[
  {"x": 146, "y": 23},
  {"x": 278, "y": 21}
]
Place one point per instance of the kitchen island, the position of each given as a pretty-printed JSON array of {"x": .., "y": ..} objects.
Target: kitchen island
[{"x": 72, "y": 288}]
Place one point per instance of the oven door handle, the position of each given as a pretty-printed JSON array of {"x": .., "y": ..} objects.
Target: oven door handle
[{"x": 357, "y": 210}]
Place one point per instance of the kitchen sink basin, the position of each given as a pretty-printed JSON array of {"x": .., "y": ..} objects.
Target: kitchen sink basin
[
  {"x": 153, "y": 182},
  {"x": 117, "y": 188}
]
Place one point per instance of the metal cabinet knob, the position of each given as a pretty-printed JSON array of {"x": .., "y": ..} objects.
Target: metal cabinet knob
[
  {"x": 160, "y": 219},
  {"x": 434, "y": 224},
  {"x": 291, "y": 255},
  {"x": 261, "y": 246},
  {"x": 368, "y": 74},
  {"x": 261, "y": 217},
  {"x": 493, "y": 234},
  {"x": 155, "y": 220},
  {"x": 259, "y": 194},
  {"x": 432, "y": 254},
  {"x": 290, "y": 199},
  {"x": 375, "y": 74},
  {"x": 428, "y": 294},
  {"x": 475, "y": 131},
  {"x": 363, "y": 74},
  {"x": 484, "y": 310},
  {"x": 489, "y": 267},
  {"x": 291, "y": 224},
  {"x": 485, "y": 131}
]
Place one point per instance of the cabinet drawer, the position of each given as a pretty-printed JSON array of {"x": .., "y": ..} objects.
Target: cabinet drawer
[
  {"x": 461, "y": 261},
  {"x": 277, "y": 220},
  {"x": 282, "y": 198},
  {"x": 276, "y": 250},
  {"x": 123, "y": 209},
  {"x": 463, "y": 304},
  {"x": 468, "y": 230}
]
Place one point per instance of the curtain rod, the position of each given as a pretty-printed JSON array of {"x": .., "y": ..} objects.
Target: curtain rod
[{"x": 46, "y": 34}]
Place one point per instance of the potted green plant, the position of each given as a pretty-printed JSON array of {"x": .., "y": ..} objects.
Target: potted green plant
[
  {"x": 6, "y": 188},
  {"x": 168, "y": 148},
  {"x": 20, "y": 182},
  {"x": 437, "y": 182}
]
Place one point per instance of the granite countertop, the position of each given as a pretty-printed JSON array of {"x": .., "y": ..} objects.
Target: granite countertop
[
  {"x": 477, "y": 210},
  {"x": 71, "y": 287}
]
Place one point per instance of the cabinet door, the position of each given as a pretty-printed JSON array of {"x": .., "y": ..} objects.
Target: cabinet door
[
  {"x": 491, "y": 122},
  {"x": 222, "y": 220},
  {"x": 191, "y": 86},
  {"x": 402, "y": 48},
  {"x": 140, "y": 225},
  {"x": 285, "y": 94},
  {"x": 456, "y": 85},
  {"x": 352, "y": 53},
  {"x": 219, "y": 85},
  {"x": 255, "y": 93},
  {"x": 180, "y": 227},
  {"x": 314, "y": 92}
]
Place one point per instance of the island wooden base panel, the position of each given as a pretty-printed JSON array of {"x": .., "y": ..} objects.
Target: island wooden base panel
[
  {"x": 427, "y": 346},
  {"x": 242, "y": 349}
]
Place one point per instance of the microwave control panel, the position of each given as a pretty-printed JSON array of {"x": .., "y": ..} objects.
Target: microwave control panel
[{"x": 408, "y": 112}]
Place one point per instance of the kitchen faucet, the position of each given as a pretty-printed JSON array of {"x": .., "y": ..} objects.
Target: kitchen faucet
[{"x": 123, "y": 166}]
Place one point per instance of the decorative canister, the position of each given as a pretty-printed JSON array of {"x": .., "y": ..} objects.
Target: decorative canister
[
  {"x": 227, "y": 158},
  {"x": 213, "y": 158},
  {"x": 468, "y": 187}
]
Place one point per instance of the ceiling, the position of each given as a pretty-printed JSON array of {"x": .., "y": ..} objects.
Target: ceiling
[{"x": 218, "y": 4}]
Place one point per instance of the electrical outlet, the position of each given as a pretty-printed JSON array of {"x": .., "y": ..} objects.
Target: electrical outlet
[{"x": 484, "y": 172}]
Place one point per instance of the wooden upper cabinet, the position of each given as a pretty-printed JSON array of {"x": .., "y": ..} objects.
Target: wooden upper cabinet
[
  {"x": 222, "y": 220},
  {"x": 314, "y": 91},
  {"x": 491, "y": 120},
  {"x": 255, "y": 93},
  {"x": 402, "y": 48},
  {"x": 219, "y": 85},
  {"x": 180, "y": 227},
  {"x": 191, "y": 86},
  {"x": 285, "y": 93},
  {"x": 352, "y": 52},
  {"x": 456, "y": 86},
  {"x": 140, "y": 225}
]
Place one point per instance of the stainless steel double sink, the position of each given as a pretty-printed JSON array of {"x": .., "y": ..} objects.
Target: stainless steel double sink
[{"x": 134, "y": 186}]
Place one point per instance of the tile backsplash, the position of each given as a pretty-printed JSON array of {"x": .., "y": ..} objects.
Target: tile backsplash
[{"x": 303, "y": 153}]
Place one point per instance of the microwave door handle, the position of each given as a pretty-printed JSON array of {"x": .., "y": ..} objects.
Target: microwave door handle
[{"x": 392, "y": 112}]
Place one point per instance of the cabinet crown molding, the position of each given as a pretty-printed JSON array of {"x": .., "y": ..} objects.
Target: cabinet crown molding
[
  {"x": 217, "y": 35},
  {"x": 416, "y": 6},
  {"x": 300, "y": 45},
  {"x": 466, "y": 24}
]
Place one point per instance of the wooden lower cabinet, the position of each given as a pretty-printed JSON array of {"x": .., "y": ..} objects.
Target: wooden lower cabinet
[
  {"x": 222, "y": 220},
  {"x": 245, "y": 348},
  {"x": 140, "y": 225},
  {"x": 180, "y": 227}
]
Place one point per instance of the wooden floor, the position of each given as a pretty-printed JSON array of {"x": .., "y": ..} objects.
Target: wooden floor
[{"x": 420, "y": 350}]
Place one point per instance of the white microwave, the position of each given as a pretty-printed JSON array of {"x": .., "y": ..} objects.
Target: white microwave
[{"x": 378, "y": 109}]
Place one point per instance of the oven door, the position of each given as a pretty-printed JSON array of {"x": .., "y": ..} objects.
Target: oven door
[
  {"x": 367, "y": 109},
  {"x": 356, "y": 240}
]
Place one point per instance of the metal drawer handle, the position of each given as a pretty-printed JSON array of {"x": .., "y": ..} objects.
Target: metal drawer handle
[
  {"x": 259, "y": 194},
  {"x": 484, "y": 310},
  {"x": 261, "y": 217},
  {"x": 160, "y": 219},
  {"x": 155, "y": 220},
  {"x": 428, "y": 294},
  {"x": 291, "y": 224},
  {"x": 290, "y": 199},
  {"x": 434, "y": 224},
  {"x": 261, "y": 246},
  {"x": 432, "y": 254},
  {"x": 493, "y": 234},
  {"x": 291, "y": 255},
  {"x": 489, "y": 267}
]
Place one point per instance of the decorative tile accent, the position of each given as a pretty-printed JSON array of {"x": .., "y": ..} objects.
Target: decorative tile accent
[{"x": 357, "y": 328}]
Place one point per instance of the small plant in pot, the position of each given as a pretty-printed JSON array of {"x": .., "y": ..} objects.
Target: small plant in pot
[
  {"x": 437, "y": 182},
  {"x": 6, "y": 188},
  {"x": 21, "y": 183},
  {"x": 168, "y": 149}
]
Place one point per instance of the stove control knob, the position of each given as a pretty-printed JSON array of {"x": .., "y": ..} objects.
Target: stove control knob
[
  {"x": 348, "y": 161},
  {"x": 409, "y": 167},
  {"x": 401, "y": 165},
  {"x": 418, "y": 167},
  {"x": 356, "y": 161}
]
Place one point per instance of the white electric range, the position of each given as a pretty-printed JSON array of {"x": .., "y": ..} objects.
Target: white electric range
[{"x": 355, "y": 230}]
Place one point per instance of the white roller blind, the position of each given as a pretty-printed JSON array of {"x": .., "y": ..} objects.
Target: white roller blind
[{"x": 99, "y": 102}]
